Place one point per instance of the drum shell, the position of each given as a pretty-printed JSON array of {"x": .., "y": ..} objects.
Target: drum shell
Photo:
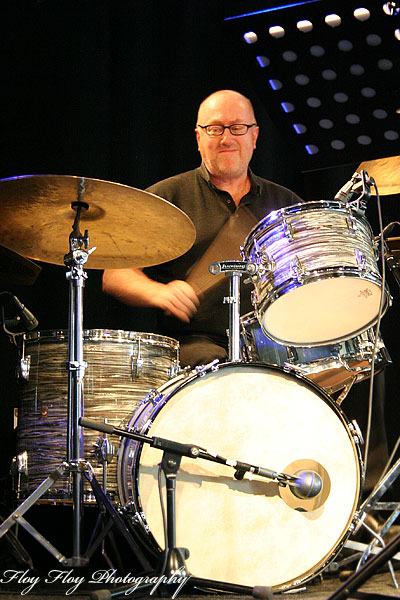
[
  {"x": 212, "y": 521},
  {"x": 318, "y": 280},
  {"x": 122, "y": 366},
  {"x": 332, "y": 367}
]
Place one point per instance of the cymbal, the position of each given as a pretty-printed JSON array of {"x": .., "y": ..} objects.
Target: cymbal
[
  {"x": 386, "y": 172},
  {"x": 17, "y": 270},
  {"x": 129, "y": 227}
]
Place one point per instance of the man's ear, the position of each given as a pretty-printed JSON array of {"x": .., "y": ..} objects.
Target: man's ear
[
  {"x": 255, "y": 136},
  {"x": 197, "y": 138}
]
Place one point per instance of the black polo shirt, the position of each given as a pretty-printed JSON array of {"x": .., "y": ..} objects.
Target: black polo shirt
[{"x": 210, "y": 208}]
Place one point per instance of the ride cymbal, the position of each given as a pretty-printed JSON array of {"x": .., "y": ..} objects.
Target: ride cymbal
[{"x": 129, "y": 227}]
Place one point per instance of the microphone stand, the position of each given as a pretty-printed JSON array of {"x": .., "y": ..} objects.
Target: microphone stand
[{"x": 174, "y": 558}]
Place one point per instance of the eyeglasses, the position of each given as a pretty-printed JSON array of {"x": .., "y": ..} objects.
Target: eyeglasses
[{"x": 218, "y": 130}]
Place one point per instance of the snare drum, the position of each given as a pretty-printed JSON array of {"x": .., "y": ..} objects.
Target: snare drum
[
  {"x": 122, "y": 367},
  {"x": 318, "y": 280},
  {"x": 333, "y": 367},
  {"x": 266, "y": 417}
]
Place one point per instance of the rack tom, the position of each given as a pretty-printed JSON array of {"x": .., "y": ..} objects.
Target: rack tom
[{"x": 318, "y": 280}]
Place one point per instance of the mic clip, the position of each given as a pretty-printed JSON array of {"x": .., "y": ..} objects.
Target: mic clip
[
  {"x": 239, "y": 474},
  {"x": 360, "y": 183}
]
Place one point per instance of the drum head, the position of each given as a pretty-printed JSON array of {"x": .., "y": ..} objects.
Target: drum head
[
  {"x": 323, "y": 312},
  {"x": 251, "y": 531}
]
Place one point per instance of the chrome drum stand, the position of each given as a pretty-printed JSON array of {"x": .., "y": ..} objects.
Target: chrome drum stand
[{"x": 75, "y": 464}]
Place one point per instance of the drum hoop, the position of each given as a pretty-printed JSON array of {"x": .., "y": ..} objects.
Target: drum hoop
[
  {"x": 322, "y": 274},
  {"x": 103, "y": 335},
  {"x": 313, "y": 205}
]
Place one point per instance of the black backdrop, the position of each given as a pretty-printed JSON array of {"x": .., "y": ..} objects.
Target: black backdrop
[{"x": 110, "y": 89}]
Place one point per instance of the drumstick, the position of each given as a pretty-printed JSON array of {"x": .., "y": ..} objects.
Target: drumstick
[{"x": 225, "y": 246}]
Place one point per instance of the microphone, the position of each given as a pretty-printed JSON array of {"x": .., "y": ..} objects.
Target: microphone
[
  {"x": 24, "y": 316},
  {"x": 345, "y": 191},
  {"x": 97, "y": 426},
  {"x": 307, "y": 484}
]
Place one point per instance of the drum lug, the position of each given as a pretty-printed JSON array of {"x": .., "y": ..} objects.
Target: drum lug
[
  {"x": 138, "y": 518},
  {"x": 351, "y": 223},
  {"x": 153, "y": 396},
  {"x": 174, "y": 369},
  {"x": 265, "y": 269},
  {"x": 19, "y": 468},
  {"x": 24, "y": 368},
  {"x": 201, "y": 370},
  {"x": 288, "y": 230},
  {"x": 361, "y": 261},
  {"x": 103, "y": 450},
  {"x": 21, "y": 463},
  {"x": 135, "y": 517},
  {"x": 255, "y": 298},
  {"x": 136, "y": 367},
  {"x": 298, "y": 270},
  {"x": 356, "y": 431}
]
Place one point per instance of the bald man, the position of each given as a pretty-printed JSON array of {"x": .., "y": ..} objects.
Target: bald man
[{"x": 223, "y": 188}]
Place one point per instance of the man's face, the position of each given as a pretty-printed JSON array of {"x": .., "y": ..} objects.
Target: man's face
[{"x": 226, "y": 156}]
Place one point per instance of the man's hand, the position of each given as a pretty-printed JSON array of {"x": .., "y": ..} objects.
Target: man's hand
[
  {"x": 133, "y": 287},
  {"x": 178, "y": 298}
]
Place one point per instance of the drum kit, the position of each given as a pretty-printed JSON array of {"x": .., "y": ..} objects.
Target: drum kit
[{"x": 318, "y": 299}]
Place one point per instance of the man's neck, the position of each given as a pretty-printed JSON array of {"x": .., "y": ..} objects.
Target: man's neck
[{"x": 236, "y": 187}]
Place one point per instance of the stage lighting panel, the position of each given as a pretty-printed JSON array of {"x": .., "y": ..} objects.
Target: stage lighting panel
[{"x": 329, "y": 76}]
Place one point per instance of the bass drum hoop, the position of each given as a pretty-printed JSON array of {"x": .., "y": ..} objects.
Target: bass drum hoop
[{"x": 144, "y": 420}]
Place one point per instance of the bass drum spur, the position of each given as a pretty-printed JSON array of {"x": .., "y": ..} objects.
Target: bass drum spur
[{"x": 263, "y": 416}]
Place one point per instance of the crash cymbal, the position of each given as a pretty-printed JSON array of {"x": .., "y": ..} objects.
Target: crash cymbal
[
  {"x": 386, "y": 173},
  {"x": 17, "y": 270},
  {"x": 129, "y": 227}
]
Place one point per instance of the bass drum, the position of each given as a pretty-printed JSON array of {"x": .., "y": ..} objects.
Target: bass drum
[{"x": 250, "y": 531}]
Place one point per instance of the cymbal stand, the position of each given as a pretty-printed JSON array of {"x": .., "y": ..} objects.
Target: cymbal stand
[
  {"x": 75, "y": 259},
  {"x": 75, "y": 463},
  {"x": 233, "y": 269}
]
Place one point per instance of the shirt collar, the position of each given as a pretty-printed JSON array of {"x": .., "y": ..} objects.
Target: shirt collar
[{"x": 254, "y": 185}]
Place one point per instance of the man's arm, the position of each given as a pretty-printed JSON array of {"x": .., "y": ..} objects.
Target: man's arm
[{"x": 133, "y": 287}]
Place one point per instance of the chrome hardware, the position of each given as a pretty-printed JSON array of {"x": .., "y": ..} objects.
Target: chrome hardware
[
  {"x": 104, "y": 450},
  {"x": 356, "y": 431},
  {"x": 201, "y": 370},
  {"x": 288, "y": 230},
  {"x": 361, "y": 261},
  {"x": 22, "y": 463},
  {"x": 24, "y": 368},
  {"x": 298, "y": 270},
  {"x": 351, "y": 222}
]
